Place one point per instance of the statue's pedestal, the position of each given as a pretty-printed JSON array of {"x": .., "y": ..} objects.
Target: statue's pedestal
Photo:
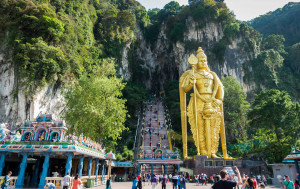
[{"x": 209, "y": 166}]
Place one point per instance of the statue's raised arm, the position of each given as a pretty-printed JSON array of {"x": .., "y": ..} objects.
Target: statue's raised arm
[{"x": 205, "y": 109}]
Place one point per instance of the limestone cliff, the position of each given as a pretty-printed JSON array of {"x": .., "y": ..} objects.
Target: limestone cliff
[
  {"x": 165, "y": 61},
  {"x": 15, "y": 106}
]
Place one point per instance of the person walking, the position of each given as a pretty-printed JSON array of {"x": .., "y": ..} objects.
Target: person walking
[
  {"x": 108, "y": 183},
  {"x": 134, "y": 183},
  {"x": 224, "y": 183},
  {"x": 174, "y": 181},
  {"x": 182, "y": 182},
  {"x": 140, "y": 184},
  {"x": 153, "y": 181},
  {"x": 76, "y": 182},
  {"x": 66, "y": 181},
  {"x": 5, "y": 181},
  {"x": 297, "y": 184},
  {"x": 149, "y": 178},
  {"x": 164, "y": 182}
]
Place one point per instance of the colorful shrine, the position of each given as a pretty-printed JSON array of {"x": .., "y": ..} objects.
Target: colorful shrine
[
  {"x": 294, "y": 157},
  {"x": 44, "y": 153}
]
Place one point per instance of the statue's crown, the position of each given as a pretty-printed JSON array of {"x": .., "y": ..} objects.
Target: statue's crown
[{"x": 200, "y": 53}]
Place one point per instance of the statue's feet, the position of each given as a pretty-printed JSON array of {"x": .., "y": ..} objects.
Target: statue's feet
[
  {"x": 227, "y": 157},
  {"x": 214, "y": 156}
]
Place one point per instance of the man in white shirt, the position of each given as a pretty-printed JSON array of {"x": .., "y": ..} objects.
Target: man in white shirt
[{"x": 66, "y": 181}]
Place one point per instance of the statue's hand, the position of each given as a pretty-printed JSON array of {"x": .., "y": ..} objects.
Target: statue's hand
[{"x": 217, "y": 102}]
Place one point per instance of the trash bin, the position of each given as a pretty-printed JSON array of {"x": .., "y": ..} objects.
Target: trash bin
[
  {"x": 269, "y": 181},
  {"x": 90, "y": 183},
  {"x": 122, "y": 179}
]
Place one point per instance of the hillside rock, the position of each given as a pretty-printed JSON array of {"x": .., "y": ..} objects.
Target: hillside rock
[{"x": 15, "y": 106}]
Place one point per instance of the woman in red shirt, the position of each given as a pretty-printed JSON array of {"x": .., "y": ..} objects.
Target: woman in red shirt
[{"x": 76, "y": 182}]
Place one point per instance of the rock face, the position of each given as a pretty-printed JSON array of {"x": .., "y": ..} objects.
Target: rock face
[
  {"x": 15, "y": 106},
  {"x": 161, "y": 62},
  {"x": 165, "y": 61}
]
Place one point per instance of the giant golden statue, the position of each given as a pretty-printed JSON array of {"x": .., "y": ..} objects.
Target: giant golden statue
[{"x": 205, "y": 109}]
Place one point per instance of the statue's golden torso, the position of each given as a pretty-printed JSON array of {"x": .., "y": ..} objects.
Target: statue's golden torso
[{"x": 204, "y": 82}]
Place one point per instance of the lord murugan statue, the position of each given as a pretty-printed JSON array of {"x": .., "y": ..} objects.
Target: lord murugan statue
[{"x": 205, "y": 109}]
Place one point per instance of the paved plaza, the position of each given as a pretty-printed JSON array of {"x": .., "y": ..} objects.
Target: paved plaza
[{"x": 128, "y": 185}]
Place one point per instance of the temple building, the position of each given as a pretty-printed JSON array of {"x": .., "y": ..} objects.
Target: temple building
[
  {"x": 157, "y": 155},
  {"x": 43, "y": 153}
]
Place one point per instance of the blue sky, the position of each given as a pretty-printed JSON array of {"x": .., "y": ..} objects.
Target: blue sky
[{"x": 243, "y": 9}]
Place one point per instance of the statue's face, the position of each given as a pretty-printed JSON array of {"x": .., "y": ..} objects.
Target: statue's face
[{"x": 202, "y": 62}]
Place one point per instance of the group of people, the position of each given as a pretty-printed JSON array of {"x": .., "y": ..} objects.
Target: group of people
[
  {"x": 177, "y": 181},
  {"x": 67, "y": 182},
  {"x": 204, "y": 179}
]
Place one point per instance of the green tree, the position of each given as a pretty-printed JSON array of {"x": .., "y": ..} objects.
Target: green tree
[
  {"x": 125, "y": 155},
  {"x": 94, "y": 105},
  {"x": 235, "y": 110},
  {"x": 294, "y": 57},
  {"x": 172, "y": 8},
  {"x": 276, "y": 119},
  {"x": 275, "y": 42}
]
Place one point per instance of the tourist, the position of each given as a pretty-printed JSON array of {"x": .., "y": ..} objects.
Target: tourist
[
  {"x": 134, "y": 183},
  {"x": 264, "y": 180},
  {"x": 182, "y": 182},
  {"x": 288, "y": 184},
  {"x": 170, "y": 177},
  {"x": 149, "y": 178},
  {"x": 255, "y": 182},
  {"x": 224, "y": 183},
  {"x": 108, "y": 183},
  {"x": 144, "y": 179},
  {"x": 249, "y": 184},
  {"x": 164, "y": 182},
  {"x": 197, "y": 179},
  {"x": 139, "y": 184},
  {"x": 211, "y": 179},
  {"x": 203, "y": 179},
  {"x": 297, "y": 185},
  {"x": 5, "y": 181},
  {"x": 153, "y": 181},
  {"x": 236, "y": 179},
  {"x": 76, "y": 182},
  {"x": 66, "y": 181},
  {"x": 49, "y": 185}
]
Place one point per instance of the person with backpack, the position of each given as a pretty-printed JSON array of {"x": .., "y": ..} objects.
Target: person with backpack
[
  {"x": 182, "y": 182},
  {"x": 5, "y": 181},
  {"x": 288, "y": 184},
  {"x": 108, "y": 183}
]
